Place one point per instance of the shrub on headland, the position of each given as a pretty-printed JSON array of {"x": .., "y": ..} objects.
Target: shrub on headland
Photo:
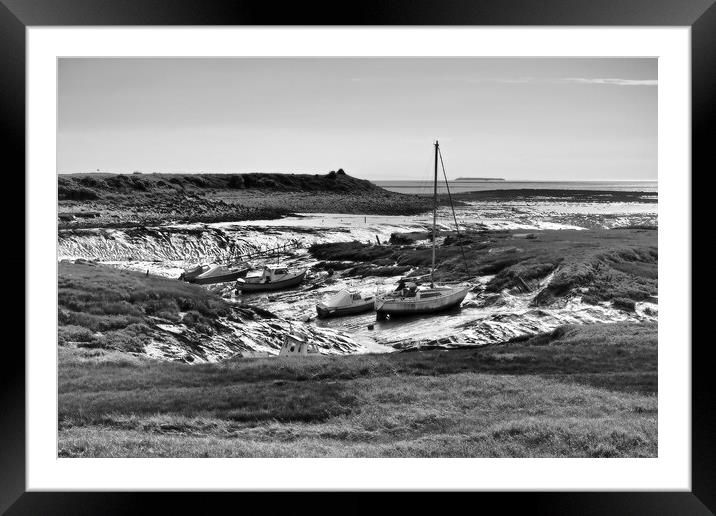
[
  {"x": 352, "y": 251},
  {"x": 76, "y": 193},
  {"x": 625, "y": 304},
  {"x": 198, "y": 321},
  {"x": 130, "y": 339},
  {"x": 236, "y": 182},
  {"x": 72, "y": 333}
]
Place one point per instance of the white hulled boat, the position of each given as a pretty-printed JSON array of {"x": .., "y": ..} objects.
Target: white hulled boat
[
  {"x": 345, "y": 302},
  {"x": 409, "y": 298},
  {"x": 270, "y": 278}
]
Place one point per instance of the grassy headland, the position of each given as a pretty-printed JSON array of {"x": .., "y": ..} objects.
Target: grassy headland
[
  {"x": 96, "y": 200},
  {"x": 586, "y": 391}
]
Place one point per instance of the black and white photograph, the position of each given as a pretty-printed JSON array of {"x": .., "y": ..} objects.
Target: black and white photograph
[{"x": 357, "y": 257}]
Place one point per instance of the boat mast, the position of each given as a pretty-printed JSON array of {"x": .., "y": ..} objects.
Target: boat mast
[{"x": 435, "y": 210}]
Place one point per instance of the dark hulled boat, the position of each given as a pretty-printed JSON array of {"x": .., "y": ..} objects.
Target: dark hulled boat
[
  {"x": 219, "y": 274},
  {"x": 191, "y": 273}
]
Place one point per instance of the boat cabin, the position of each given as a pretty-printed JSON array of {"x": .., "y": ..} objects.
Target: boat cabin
[
  {"x": 412, "y": 290},
  {"x": 346, "y": 298},
  {"x": 406, "y": 289},
  {"x": 267, "y": 274},
  {"x": 297, "y": 346}
]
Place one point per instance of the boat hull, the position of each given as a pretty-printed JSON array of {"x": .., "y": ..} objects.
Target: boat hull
[
  {"x": 224, "y": 278},
  {"x": 397, "y": 308},
  {"x": 325, "y": 312},
  {"x": 274, "y": 285},
  {"x": 190, "y": 276}
]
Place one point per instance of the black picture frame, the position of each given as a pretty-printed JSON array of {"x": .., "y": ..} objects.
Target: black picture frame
[{"x": 17, "y": 15}]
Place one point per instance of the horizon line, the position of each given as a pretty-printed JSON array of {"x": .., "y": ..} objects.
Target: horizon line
[{"x": 491, "y": 180}]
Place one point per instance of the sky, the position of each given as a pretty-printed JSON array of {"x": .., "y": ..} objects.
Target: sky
[{"x": 513, "y": 118}]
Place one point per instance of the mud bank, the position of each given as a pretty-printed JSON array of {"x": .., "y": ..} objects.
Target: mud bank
[
  {"x": 226, "y": 241},
  {"x": 533, "y": 267}
]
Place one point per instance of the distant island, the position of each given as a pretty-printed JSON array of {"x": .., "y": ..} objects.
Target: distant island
[{"x": 479, "y": 179}]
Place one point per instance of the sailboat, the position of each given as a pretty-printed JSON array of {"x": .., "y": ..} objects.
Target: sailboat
[{"x": 411, "y": 299}]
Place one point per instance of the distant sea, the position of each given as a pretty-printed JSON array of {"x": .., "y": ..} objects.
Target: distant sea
[{"x": 426, "y": 187}]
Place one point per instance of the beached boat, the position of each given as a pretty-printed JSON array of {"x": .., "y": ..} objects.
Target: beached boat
[
  {"x": 414, "y": 299},
  {"x": 270, "y": 278},
  {"x": 345, "y": 302},
  {"x": 297, "y": 346},
  {"x": 191, "y": 273},
  {"x": 220, "y": 274},
  {"x": 411, "y": 299}
]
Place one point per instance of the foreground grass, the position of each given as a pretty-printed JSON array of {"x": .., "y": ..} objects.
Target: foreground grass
[
  {"x": 104, "y": 307},
  {"x": 581, "y": 392}
]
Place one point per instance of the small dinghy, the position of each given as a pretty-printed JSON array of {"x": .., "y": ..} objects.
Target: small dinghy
[
  {"x": 345, "y": 302},
  {"x": 270, "y": 278},
  {"x": 297, "y": 346},
  {"x": 219, "y": 274}
]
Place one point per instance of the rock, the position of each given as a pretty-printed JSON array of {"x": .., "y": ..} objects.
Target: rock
[{"x": 471, "y": 304}]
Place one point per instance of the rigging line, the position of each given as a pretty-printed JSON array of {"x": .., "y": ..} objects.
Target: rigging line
[
  {"x": 457, "y": 228},
  {"x": 426, "y": 179}
]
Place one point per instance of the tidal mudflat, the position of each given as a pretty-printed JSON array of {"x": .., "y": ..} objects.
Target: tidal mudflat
[{"x": 532, "y": 265}]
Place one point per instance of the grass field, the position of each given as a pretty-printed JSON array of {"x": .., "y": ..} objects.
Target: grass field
[{"x": 584, "y": 391}]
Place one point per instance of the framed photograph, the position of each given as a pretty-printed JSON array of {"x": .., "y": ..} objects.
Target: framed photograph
[{"x": 424, "y": 248}]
